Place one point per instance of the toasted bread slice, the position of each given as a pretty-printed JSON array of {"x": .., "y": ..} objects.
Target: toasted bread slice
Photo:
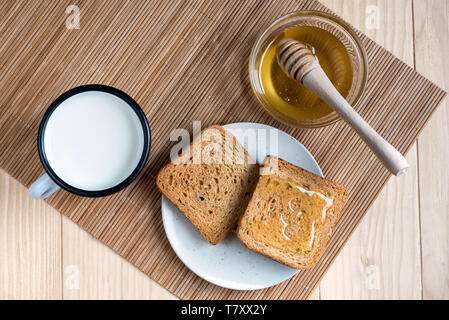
[
  {"x": 291, "y": 214},
  {"x": 212, "y": 183}
]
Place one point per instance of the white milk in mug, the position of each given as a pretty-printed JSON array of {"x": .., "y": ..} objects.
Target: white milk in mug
[{"x": 92, "y": 142}]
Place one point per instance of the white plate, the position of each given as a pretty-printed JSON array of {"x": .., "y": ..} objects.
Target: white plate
[{"x": 230, "y": 264}]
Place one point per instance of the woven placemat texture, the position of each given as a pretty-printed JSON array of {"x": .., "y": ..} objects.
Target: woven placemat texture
[{"x": 184, "y": 61}]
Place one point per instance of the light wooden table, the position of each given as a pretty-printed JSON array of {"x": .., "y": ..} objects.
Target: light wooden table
[{"x": 400, "y": 251}]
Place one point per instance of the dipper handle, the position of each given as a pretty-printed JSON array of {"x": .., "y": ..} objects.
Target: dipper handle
[{"x": 300, "y": 63}]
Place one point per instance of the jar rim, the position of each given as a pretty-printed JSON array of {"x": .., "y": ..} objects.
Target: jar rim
[{"x": 351, "y": 34}]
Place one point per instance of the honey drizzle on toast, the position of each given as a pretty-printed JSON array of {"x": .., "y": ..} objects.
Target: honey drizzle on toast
[{"x": 293, "y": 214}]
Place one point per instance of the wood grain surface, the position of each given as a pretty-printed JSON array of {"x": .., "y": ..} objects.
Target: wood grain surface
[
  {"x": 382, "y": 258},
  {"x": 432, "y": 44},
  {"x": 400, "y": 249}
]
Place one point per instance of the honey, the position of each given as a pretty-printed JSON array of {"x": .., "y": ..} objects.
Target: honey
[
  {"x": 291, "y": 98},
  {"x": 291, "y": 217}
]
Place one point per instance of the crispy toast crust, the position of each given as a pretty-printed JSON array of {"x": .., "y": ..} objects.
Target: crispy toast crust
[{"x": 294, "y": 176}]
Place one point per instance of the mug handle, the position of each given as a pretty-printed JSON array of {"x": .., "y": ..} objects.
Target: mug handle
[{"x": 43, "y": 187}]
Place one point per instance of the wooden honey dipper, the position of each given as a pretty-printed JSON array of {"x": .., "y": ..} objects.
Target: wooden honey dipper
[{"x": 300, "y": 63}]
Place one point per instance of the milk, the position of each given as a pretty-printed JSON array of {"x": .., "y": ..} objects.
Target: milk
[{"x": 93, "y": 141}]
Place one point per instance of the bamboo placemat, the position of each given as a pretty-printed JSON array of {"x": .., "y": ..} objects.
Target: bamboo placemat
[{"x": 184, "y": 61}]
